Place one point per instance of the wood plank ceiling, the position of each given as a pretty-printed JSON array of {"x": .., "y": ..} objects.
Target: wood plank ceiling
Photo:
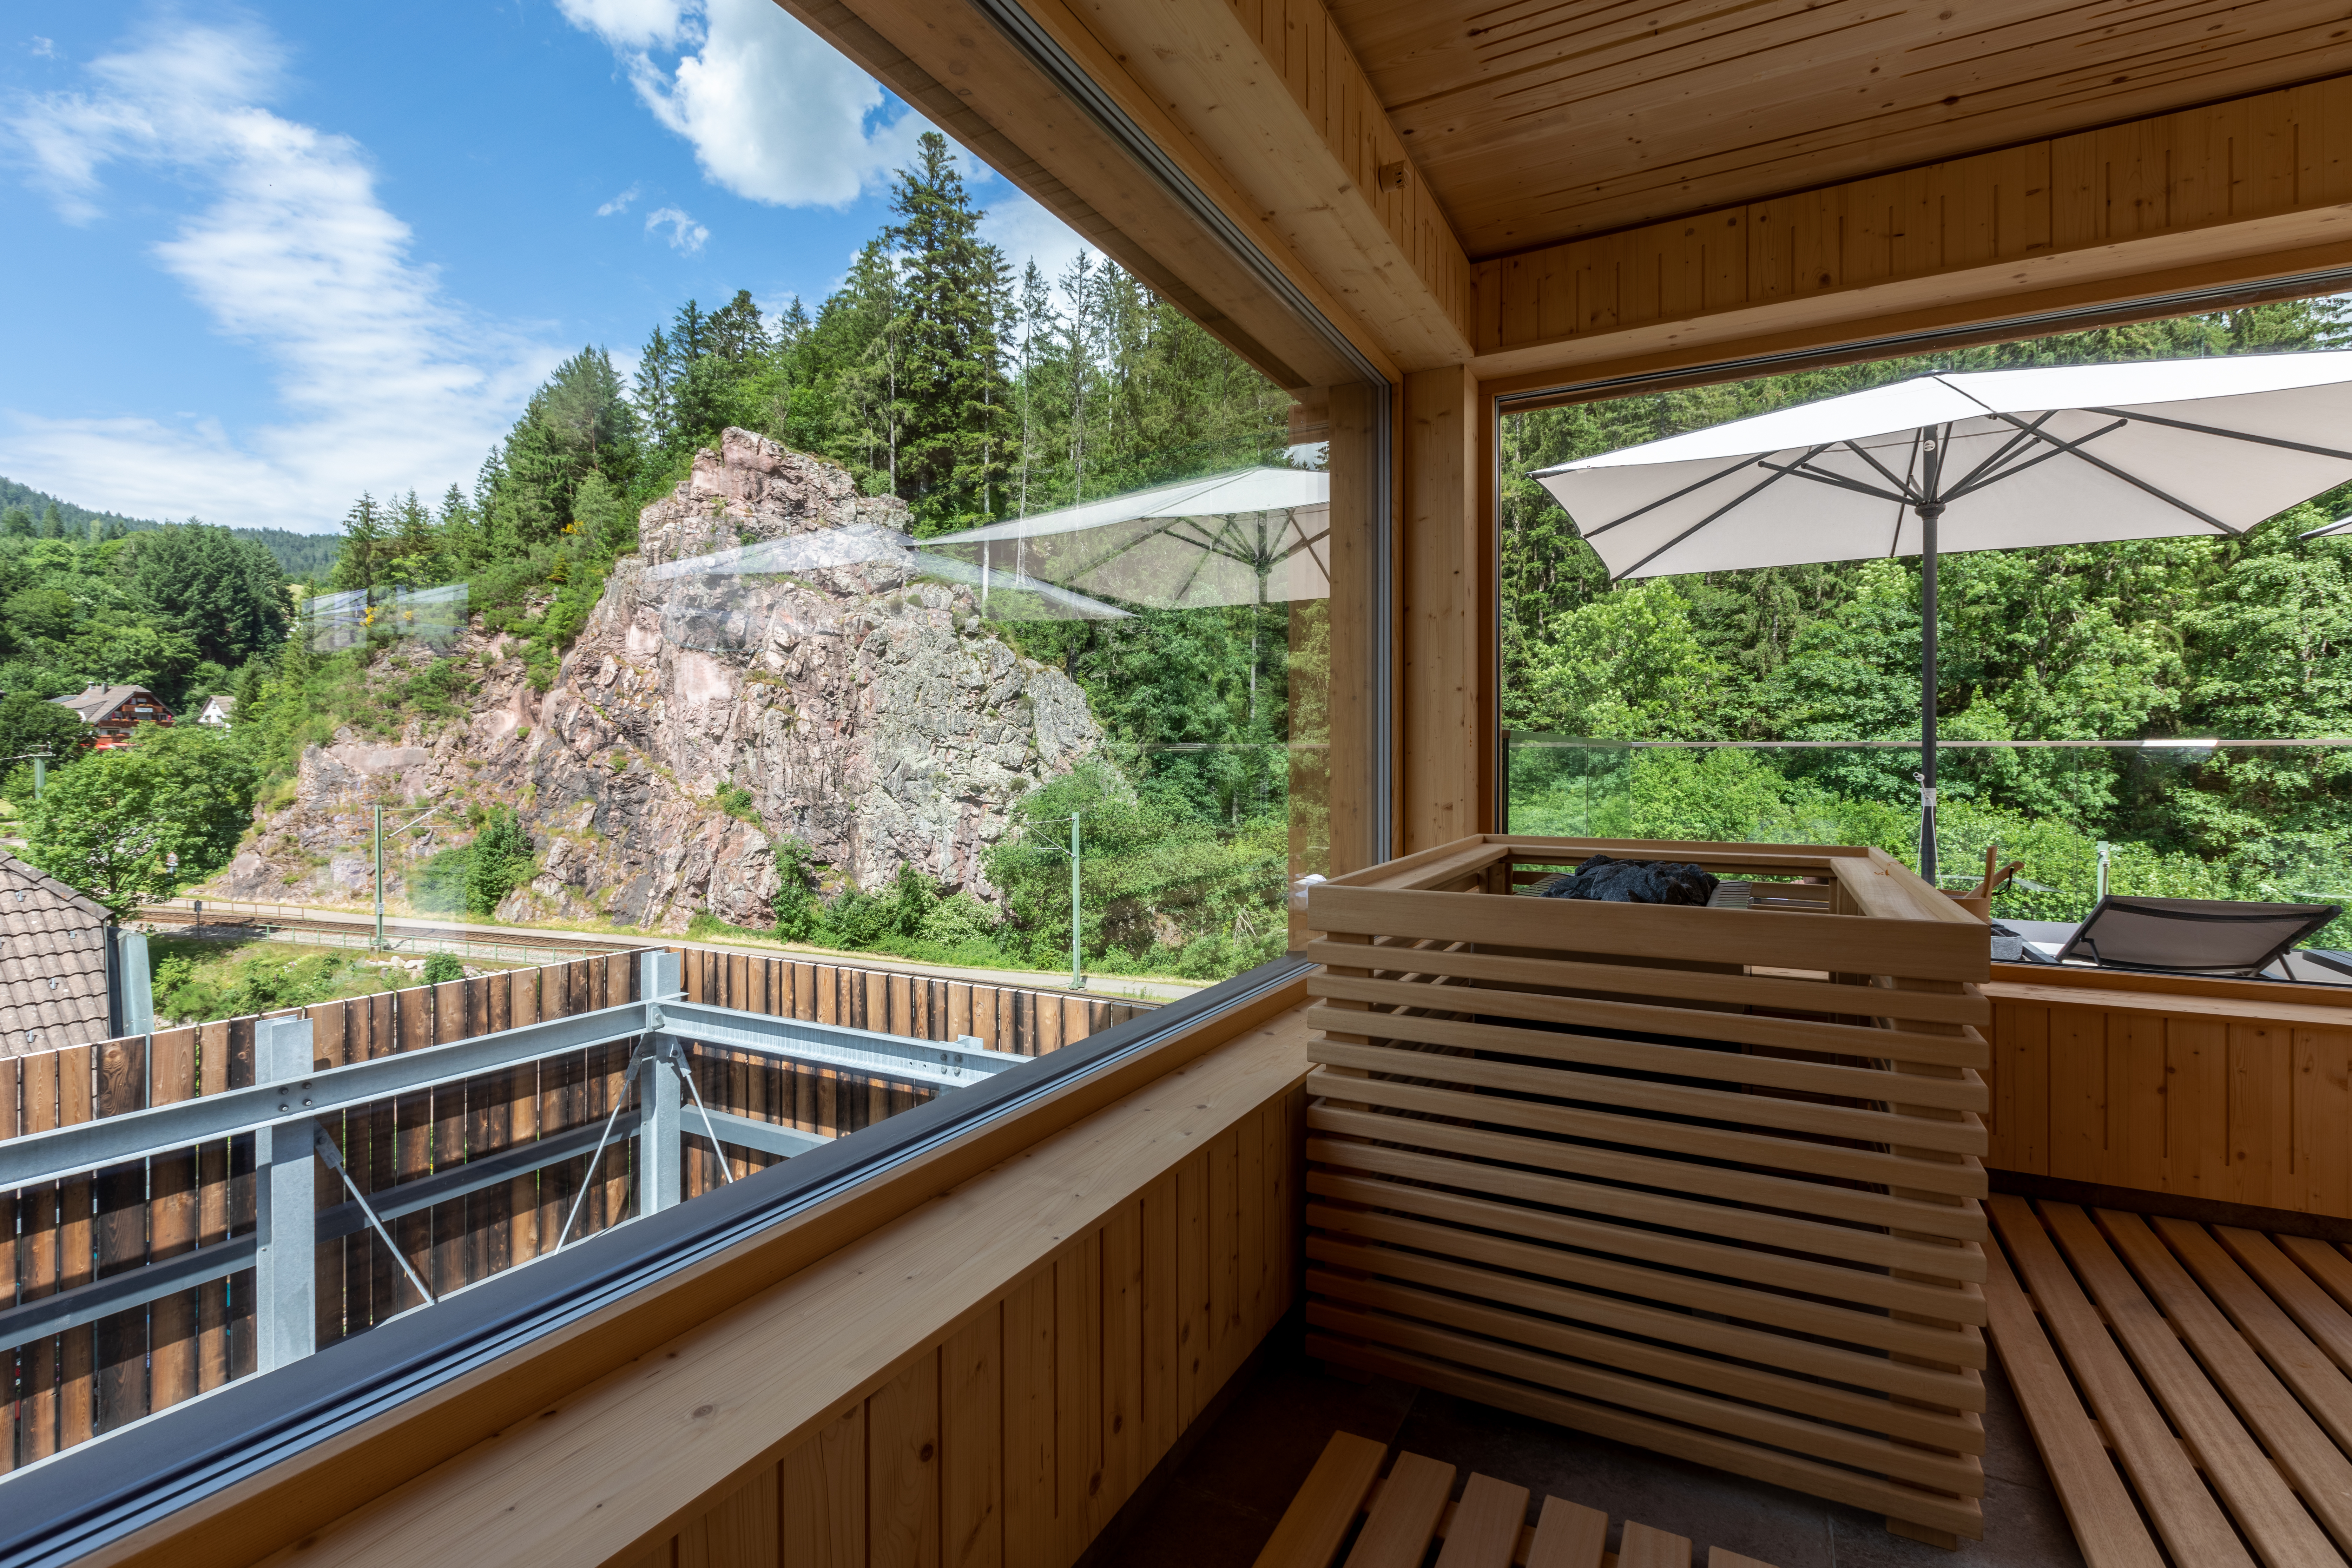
[{"x": 1537, "y": 121}]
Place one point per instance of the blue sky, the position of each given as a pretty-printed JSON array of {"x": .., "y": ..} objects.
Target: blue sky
[{"x": 262, "y": 258}]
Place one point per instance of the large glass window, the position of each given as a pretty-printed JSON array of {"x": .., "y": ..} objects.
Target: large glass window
[{"x": 2136, "y": 717}]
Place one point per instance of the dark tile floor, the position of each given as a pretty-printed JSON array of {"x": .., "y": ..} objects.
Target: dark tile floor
[{"x": 1218, "y": 1508}]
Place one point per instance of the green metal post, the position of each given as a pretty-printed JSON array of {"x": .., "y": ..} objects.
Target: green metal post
[
  {"x": 1077, "y": 976},
  {"x": 40, "y": 775},
  {"x": 379, "y": 878}
]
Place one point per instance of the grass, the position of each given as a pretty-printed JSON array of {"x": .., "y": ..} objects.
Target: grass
[{"x": 198, "y": 980}]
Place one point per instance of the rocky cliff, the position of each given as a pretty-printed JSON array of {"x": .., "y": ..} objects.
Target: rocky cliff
[{"x": 762, "y": 667}]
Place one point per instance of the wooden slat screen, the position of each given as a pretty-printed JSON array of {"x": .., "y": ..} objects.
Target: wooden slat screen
[{"x": 1703, "y": 1181}]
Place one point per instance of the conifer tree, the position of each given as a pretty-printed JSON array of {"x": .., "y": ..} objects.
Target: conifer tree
[
  {"x": 364, "y": 532},
  {"x": 948, "y": 377}
]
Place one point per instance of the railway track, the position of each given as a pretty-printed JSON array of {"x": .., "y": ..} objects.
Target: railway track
[{"x": 403, "y": 938}]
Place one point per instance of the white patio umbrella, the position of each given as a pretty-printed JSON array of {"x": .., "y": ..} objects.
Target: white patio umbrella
[
  {"x": 1983, "y": 460},
  {"x": 1252, "y": 537}
]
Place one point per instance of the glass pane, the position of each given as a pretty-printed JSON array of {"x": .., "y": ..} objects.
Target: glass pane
[{"x": 1782, "y": 703}]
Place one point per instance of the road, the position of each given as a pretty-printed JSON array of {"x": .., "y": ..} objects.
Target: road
[{"x": 344, "y": 927}]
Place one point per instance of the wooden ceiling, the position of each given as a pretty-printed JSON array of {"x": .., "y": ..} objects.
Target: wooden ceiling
[{"x": 1536, "y": 121}]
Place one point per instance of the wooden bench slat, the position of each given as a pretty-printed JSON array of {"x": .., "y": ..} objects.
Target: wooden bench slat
[
  {"x": 1716, "y": 1557},
  {"x": 2257, "y": 1495},
  {"x": 2274, "y": 1262},
  {"x": 1646, "y": 1546},
  {"x": 1483, "y": 1530},
  {"x": 1404, "y": 1516},
  {"x": 2193, "y": 1528},
  {"x": 2313, "y": 1465},
  {"x": 2267, "y": 1324},
  {"x": 1317, "y": 1520},
  {"x": 1568, "y": 1535},
  {"x": 2098, "y": 1506},
  {"x": 2323, "y": 1263}
]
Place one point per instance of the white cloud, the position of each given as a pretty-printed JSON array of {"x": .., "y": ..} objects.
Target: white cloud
[
  {"x": 43, "y": 48},
  {"x": 685, "y": 236},
  {"x": 383, "y": 382},
  {"x": 620, "y": 204},
  {"x": 635, "y": 25},
  {"x": 775, "y": 113},
  {"x": 1023, "y": 230}
]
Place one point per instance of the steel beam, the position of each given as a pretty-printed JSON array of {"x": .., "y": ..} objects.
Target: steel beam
[
  {"x": 830, "y": 1044},
  {"x": 64, "y": 1152},
  {"x": 121, "y": 1292},
  {"x": 411, "y": 1197},
  {"x": 765, "y": 1136}
]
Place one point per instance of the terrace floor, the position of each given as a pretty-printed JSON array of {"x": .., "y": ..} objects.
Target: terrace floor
[{"x": 1220, "y": 1504}]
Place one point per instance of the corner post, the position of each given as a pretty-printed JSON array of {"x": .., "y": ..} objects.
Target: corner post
[{"x": 287, "y": 1203}]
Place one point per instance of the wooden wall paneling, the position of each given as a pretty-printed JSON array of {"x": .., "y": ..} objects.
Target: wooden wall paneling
[
  {"x": 119, "y": 1342},
  {"x": 1161, "y": 1320},
  {"x": 1121, "y": 1418},
  {"x": 2322, "y": 1116},
  {"x": 1030, "y": 1456},
  {"x": 1076, "y": 1393},
  {"x": 972, "y": 1432},
  {"x": 2078, "y": 1093},
  {"x": 2262, "y": 1124},
  {"x": 902, "y": 1457},
  {"x": 1223, "y": 1244},
  {"x": 822, "y": 1494},
  {"x": 1195, "y": 1311},
  {"x": 2135, "y": 1101},
  {"x": 742, "y": 1531},
  {"x": 2197, "y": 1112}
]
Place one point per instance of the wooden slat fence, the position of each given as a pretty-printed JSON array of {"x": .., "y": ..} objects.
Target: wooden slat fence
[{"x": 69, "y": 1387}]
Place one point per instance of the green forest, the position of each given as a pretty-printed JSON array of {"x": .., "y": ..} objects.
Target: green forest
[
  {"x": 937, "y": 372},
  {"x": 2243, "y": 638}
]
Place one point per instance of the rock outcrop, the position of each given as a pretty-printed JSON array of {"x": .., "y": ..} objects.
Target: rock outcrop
[{"x": 760, "y": 668}]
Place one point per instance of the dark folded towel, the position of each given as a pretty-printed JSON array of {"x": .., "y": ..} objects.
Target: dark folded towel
[{"x": 1633, "y": 882}]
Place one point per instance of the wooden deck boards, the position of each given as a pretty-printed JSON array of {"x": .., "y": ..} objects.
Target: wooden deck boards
[{"x": 2212, "y": 1362}]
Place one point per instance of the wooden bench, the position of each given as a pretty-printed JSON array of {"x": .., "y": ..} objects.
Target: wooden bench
[
  {"x": 1488, "y": 1528},
  {"x": 2216, "y": 1366}
]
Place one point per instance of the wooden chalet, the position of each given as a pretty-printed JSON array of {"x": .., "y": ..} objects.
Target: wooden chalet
[
  {"x": 113, "y": 712},
  {"x": 1478, "y": 1232}
]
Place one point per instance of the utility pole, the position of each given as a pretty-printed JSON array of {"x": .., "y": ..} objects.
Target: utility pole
[
  {"x": 1077, "y": 976},
  {"x": 379, "y": 864}
]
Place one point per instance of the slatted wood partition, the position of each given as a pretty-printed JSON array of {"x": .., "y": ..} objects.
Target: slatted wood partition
[
  {"x": 87, "y": 1381},
  {"x": 1704, "y": 1181}
]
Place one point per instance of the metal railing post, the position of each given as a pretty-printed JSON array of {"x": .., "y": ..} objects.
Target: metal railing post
[
  {"x": 285, "y": 1165},
  {"x": 661, "y": 1145}
]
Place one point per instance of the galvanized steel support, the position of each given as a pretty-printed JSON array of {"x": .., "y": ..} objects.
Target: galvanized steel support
[{"x": 284, "y": 1309}]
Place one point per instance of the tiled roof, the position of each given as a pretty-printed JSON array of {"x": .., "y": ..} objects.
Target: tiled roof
[
  {"x": 52, "y": 962},
  {"x": 99, "y": 700}
]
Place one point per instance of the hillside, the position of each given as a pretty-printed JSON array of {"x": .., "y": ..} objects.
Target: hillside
[{"x": 304, "y": 557}]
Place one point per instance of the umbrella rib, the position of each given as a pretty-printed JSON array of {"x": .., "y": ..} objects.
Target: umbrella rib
[
  {"x": 1972, "y": 483},
  {"x": 1777, "y": 474},
  {"x": 2231, "y": 435},
  {"x": 1818, "y": 477},
  {"x": 2011, "y": 445},
  {"x": 1907, "y": 496},
  {"x": 2132, "y": 480},
  {"x": 1661, "y": 500}
]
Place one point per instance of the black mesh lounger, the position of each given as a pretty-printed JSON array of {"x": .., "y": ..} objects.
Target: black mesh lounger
[{"x": 2192, "y": 936}]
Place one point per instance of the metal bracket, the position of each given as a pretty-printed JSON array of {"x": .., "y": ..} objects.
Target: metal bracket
[{"x": 325, "y": 1144}]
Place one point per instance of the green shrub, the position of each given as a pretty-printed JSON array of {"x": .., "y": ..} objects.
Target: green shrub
[
  {"x": 736, "y": 802},
  {"x": 440, "y": 968}
]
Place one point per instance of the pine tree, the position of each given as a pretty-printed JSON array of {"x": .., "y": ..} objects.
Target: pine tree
[
  {"x": 364, "y": 532},
  {"x": 655, "y": 392},
  {"x": 946, "y": 372}
]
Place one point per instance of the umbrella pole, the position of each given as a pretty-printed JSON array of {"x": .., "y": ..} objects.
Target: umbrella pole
[{"x": 1928, "y": 514}]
